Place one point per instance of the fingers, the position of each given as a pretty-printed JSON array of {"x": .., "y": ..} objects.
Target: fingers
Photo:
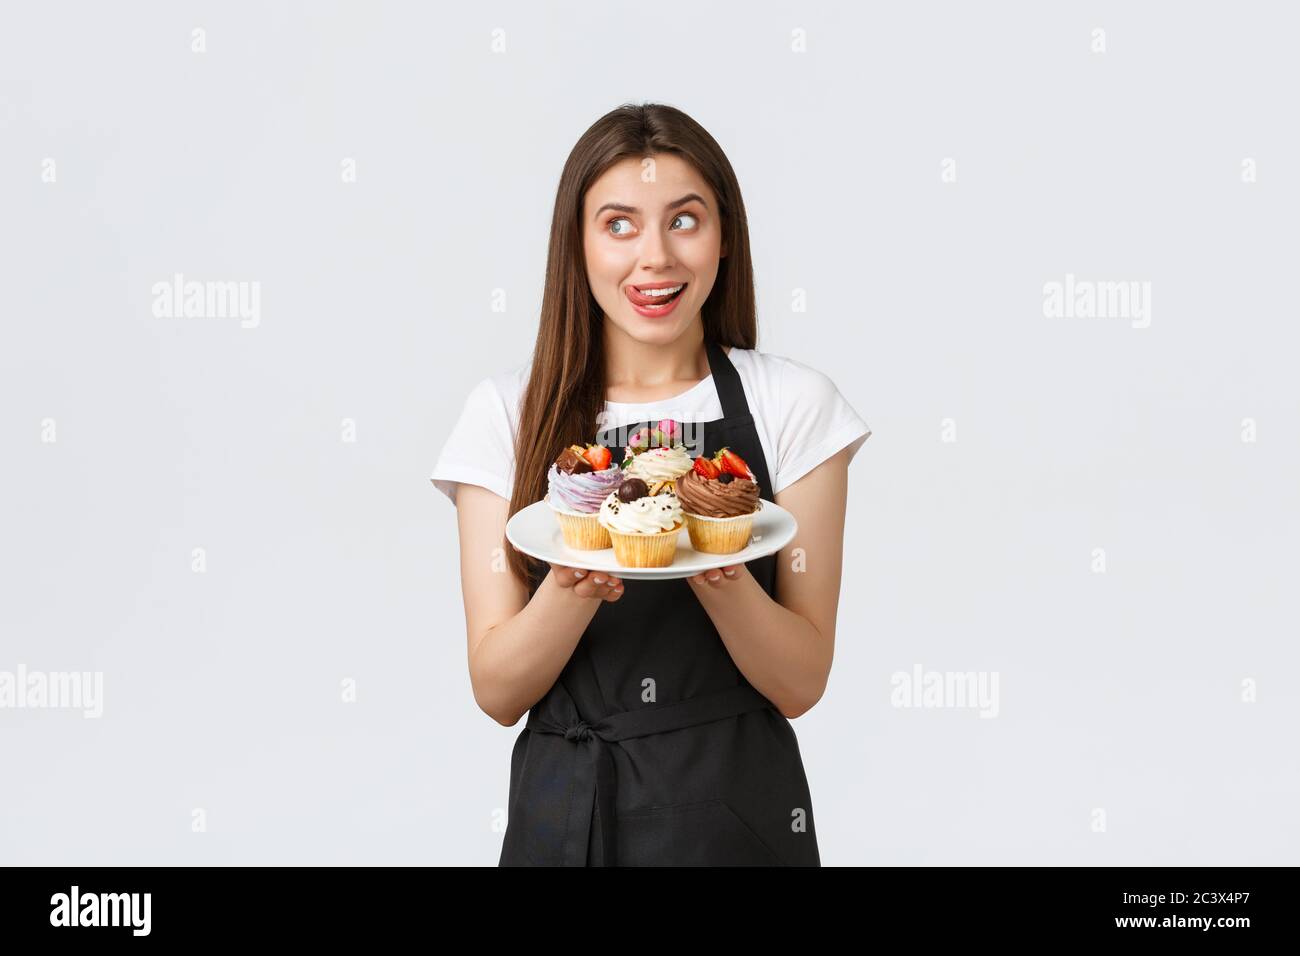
[
  {"x": 599, "y": 584},
  {"x": 589, "y": 584},
  {"x": 565, "y": 576},
  {"x": 716, "y": 577}
]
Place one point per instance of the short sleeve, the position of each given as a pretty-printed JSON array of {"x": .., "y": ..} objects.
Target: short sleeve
[
  {"x": 815, "y": 422},
  {"x": 480, "y": 448}
]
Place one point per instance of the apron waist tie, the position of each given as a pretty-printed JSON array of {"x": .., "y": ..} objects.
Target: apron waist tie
[{"x": 651, "y": 719}]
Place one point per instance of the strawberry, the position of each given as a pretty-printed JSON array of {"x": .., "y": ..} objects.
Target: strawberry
[
  {"x": 705, "y": 468},
  {"x": 598, "y": 456},
  {"x": 733, "y": 464}
]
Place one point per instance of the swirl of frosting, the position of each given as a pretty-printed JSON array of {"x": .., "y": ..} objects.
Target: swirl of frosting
[
  {"x": 659, "y": 464},
  {"x": 582, "y": 492},
  {"x": 648, "y": 514},
  {"x": 713, "y": 499}
]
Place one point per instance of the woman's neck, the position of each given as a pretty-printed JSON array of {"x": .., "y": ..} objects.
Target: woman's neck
[{"x": 637, "y": 371}]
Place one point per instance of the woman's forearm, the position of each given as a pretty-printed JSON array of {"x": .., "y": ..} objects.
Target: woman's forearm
[
  {"x": 780, "y": 652},
  {"x": 517, "y": 661}
]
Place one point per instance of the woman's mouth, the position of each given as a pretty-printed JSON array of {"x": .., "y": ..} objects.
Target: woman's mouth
[{"x": 655, "y": 298}]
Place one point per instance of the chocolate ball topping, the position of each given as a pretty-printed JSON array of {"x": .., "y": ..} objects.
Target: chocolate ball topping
[
  {"x": 631, "y": 489},
  {"x": 726, "y": 478}
]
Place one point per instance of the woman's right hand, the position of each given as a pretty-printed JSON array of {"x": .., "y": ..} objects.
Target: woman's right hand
[{"x": 589, "y": 584}]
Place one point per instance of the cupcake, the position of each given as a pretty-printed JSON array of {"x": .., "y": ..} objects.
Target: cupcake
[
  {"x": 719, "y": 499},
  {"x": 657, "y": 457},
  {"x": 577, "y": 482},
  {"x": 642, "y": 527}
]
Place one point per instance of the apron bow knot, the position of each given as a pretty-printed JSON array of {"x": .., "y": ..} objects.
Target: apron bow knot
[{"x": 579, "y": 731}]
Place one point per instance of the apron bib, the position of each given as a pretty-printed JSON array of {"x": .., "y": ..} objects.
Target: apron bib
[{"x": 651, "y": 748}]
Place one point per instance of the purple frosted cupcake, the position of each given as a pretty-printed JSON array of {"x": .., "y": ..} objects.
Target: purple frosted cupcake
[{"x": 579, "y": 480}]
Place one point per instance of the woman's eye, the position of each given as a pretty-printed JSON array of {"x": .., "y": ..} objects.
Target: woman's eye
[{"x": 690, "y": 220}]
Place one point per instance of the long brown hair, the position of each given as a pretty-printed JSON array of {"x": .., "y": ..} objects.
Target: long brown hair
[{"x": 565, "y": 395}]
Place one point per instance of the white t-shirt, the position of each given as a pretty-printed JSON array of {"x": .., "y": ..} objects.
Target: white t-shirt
[{"x": 801, "y": 419}]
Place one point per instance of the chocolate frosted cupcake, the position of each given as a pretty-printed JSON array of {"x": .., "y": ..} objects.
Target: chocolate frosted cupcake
[
  {"x": 719, "y": 497},
  {"x": 577, "y": 482}
]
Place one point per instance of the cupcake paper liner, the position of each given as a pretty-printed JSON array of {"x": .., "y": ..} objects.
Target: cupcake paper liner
[
  {"x": 583, "y": 532},
  {"x": 645, "y": 550},
  {"x": 719, "y": 535}
]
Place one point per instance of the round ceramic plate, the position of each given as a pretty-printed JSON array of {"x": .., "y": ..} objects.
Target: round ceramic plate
[{"x": 535, "y": 531}]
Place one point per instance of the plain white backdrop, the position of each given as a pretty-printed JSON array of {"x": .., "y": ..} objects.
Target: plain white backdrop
[{"x": 126, "y": 156}]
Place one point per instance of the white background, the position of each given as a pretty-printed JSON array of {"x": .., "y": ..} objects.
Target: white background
[{"x": 329, "y": 560}]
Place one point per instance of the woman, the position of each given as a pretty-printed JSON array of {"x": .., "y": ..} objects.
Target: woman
[{"x": 658, "y": 727}]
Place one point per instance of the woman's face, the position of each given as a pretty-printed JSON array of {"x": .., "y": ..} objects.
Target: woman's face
[{"x": 651, "y": 223}]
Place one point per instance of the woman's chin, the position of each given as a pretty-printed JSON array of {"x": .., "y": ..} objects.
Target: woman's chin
[{"x": 655, "y": 331}]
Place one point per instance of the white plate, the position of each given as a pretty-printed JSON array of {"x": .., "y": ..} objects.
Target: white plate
[{"x": 535, "y": 531}]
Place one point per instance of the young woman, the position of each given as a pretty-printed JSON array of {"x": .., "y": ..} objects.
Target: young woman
[{"x": 658, "y": 727}]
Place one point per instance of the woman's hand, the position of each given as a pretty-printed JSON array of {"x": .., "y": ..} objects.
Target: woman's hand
[
  {"x": 716, "y": 577},
  {"x": 589, "y": 584}
]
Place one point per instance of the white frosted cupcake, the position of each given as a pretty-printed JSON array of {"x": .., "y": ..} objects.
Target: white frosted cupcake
[
  {"x": 657, "y": 457},
  {"x": 643, "y": 528}
]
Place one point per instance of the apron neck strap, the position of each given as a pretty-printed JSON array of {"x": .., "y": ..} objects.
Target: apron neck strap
[{"x": 727, "y": 381}]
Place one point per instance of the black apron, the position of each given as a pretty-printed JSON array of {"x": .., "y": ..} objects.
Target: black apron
[{"x": 651, "y": 748}]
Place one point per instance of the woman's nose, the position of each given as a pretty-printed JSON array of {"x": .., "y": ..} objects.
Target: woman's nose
[{"x": 655, "y": 252}]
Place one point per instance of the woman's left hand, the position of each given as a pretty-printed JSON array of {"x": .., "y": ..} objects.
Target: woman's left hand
[{"x": 716, "y": 577}]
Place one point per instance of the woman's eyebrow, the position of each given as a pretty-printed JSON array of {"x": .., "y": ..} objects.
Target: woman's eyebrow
[{"x": 620, "y": 207}]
